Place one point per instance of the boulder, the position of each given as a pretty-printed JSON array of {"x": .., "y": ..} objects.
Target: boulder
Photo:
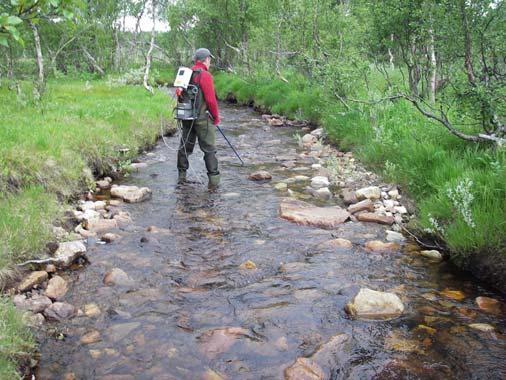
[
  {"x": 432, "y": 254},
  {"x": 488, "y": 305},
  {"x": 38, "y": 303},
  {"x": 348, "y": 196},
  {"x": 365, "y": 205},
  {"x": 371, "y": 192},
  {"x": 319, "y": 182},
  {"x": 260, "y": 175},
  {"x": 273, "y": 122},
  {"x": 308, "y": 215},
  {"x": 59, "y": 311},
  {"x": 308, "y": 140},
  {"x": 375, "y": 218},
  {"x": 395, "y": 237},
  {"x": 371, "y": 304},
  {"x": 33, "y": 279},
  {"x": 379, "y": 246},
  {"x": 117, "y": 276},
  {"x": 56, "y": 288},
  {"x": 68, "y": 252},
  {"x": 131, "y": 194},
  {"x": 101, "y": 225}
]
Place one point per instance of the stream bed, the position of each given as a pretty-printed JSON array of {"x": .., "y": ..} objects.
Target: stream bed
[{"x": 191, "y": 312}]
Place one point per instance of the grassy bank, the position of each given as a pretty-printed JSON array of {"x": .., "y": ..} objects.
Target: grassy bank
[
  {"x": 460, "y": 188},
  {"x": 51, "y": 151}
]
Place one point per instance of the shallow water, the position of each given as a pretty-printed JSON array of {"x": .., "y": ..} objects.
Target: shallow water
[{"x": 193, "y": 314}]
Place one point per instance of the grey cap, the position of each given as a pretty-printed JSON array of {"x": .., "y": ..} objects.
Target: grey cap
[{"x": 201, "y": 54}]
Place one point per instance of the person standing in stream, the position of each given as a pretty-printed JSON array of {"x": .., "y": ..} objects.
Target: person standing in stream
[{"x": 201, "y": 128}]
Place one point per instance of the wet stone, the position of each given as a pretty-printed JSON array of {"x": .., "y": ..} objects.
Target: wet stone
[
  {"x": 375, "y": 218},
  {"x": 91, "y": 310},
  {"x": 305, "y": 214},
  {"x": 379, "y": 246},
  {"x": 131, "y": 194},
  {"x": 91, "y": 337},
  {"x": 35, "y": 304},
  {"x": 371, "y": 304},
  {"x": 484, "y": 327},
  {"x": 489, "y": 305},
  {"x": 33, "y": 279},
  {"x": 432, "y": 255},
  {"x": 456, "y": 295},
  {"x": 217, "y": 341},
  {"x": 60, "y": 311},
  {"x": 117, "y": 276},
  {"x": 365, "y": 205},
  {"x": 56, "y": 288},
  {"x": 260, "y": 175},
  {"x": 120, "y": 331}
]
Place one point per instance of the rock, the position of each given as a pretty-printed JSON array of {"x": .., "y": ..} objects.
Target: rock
[
  {"x": 110, "y": 237},
  {"x": 87, "y": 216},
  {"x": 365, "y": 205},
  {"x": 348, "y": 196},
  {"x": 372, "y": 193},
  {"x": 336, "y": 243},
  {"x": 322, "y": 193},
  {"x": 281, "y": 186},
  {"x": 316, "y": 166},
  {"x": 484, "y": 327},
  {"x": 56, "y": 288},
  {"x": 69, "y": 376},
  {"x": 248, "y": 265},
  {"x": 379, "y": 246},
  {"x": 37, "y": 304},
  {"x": 103, "y": 185},
  {"x": 273, "y": 122},
  {"x": 304, "y": 369},
  {"x": 308, "y": 215},
  {"x": 216, "y": 341},
  {"x": 319, "y": 182},
  {"x": 212, "y": 375},
  {"x": 86, "y": 205},
  {"x": 389, "y": 204},
  {"x": 91, "y": 310},
  {"x": 318, "y": 133},
  {"x": 34, "y": 320},
  {"x": 371, "y": 304},
  {"x": 308, "y": 140},
  {"x": 68, "y": 252},
  {"x": 394, "y": 193},
  {"x": 400, "y": 210},
  {"x": 260, "y": 175},
  {"x": 432, "y": 254},
  {"x": 84, "y": 233},
  {"x": 375, "y": 218},
  {"x": 456, "y": 295},
  {"x": 117, "y": 276},
  {"x": 59, "y": 311},
  {"x": 489, "y": 305},
  {"x": 394, "y": 236},
  {"x": 115, "y": 202},
  {"x": 138, "y": 165},
  {"x": 131, "y": 194},
  {"x": 120, "y": 331},
  {"x": 91, "y": 337},
  {"x": 50, "y": 268},
  {"x": 33, "y": 279},
  {"x": 396, "y": 342},
  {"x": 100, "y": 205}
]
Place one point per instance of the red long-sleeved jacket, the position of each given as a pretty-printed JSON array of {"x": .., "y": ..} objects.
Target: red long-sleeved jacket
[{"x": 205, "y": 81}]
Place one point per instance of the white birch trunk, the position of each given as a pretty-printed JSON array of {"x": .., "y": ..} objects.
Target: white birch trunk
[
  {"x": 433, "y": 63},
  {"x": 38, "y": 52}
]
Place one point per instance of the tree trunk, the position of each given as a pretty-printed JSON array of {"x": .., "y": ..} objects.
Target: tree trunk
[
  {"x": 40, "y": 62},
  {"x": 390, "y": 55},
  {"x": 467, "y": 44},
  {"x": 433, "y": 64},
  {"x": 150, "y": 51},
  {"x": 92, "y": 60},
  {"x": 133, "y": 45},
  {"x": 117, "y": 50}
]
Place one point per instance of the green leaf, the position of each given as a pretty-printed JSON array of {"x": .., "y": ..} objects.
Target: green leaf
[
  {"x": 14, "y": 20},
  {"x": 68, "y": 14},
  {"x": 3, "y": 41},
  {"x": 54, "y": 3}
]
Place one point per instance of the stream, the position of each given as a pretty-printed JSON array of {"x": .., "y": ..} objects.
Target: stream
[{"x": 191, "y": 312}]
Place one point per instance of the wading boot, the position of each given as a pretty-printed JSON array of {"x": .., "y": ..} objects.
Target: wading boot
[
  {"x": 181, "y": 177},
  {"x": 214, "y": 181}
]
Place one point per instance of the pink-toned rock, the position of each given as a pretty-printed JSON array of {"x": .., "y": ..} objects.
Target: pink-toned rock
[
  {"x": 214, "y": 342},
  {"x": 33, "y": 279},
  {"x": 36, "y": 304},
  {"x": 489, "y": 305},
  {"x": 365, "y": 205},
  {"x": 379, "y": 246},
  {"x": 56, "y": 288},
  {"x": 260, "y": 175},
  {"x": 60, "y": 311},
  {"x": 336, "y": 243},
  {"x": 91, "y": 337},
  {"x": 101, "y": 225},
  {"x": 308, "y": 215},
  {"x": 117, "y": 276},
  {"x": 273, "y": 122},
  {"x": 348, "y": 196},
  {"x": 375, "y": 218},
  {"x": 304, "y": 369}
]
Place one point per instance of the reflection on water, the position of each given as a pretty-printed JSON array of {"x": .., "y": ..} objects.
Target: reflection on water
[{"x": 192, "y": 313}]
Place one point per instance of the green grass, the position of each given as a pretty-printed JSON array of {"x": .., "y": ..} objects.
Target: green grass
[
  {"x": 16, "y": 342},
  {"x": 408, "y": 149}
]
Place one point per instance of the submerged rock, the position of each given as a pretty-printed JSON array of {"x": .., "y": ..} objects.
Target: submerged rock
[
  {"x": 379, "y": 246},
  {"x": 336, "y": 243},
  {"x": 396, "y": 237},
  {"x": 60, "y": 311},
  {"x": 216, "y": 341},
  {"x": 489, "y": 305},
  {"x": 456, "y": 295},
  {"x": 484, "y": 327},
  {"x": 371, "y": 304},
  {"x": 117, "y": 276},
  {"x": 260, "y": 175},
  {"x": 432, "y": 254},
  {"x": 248, "y": 265},
  {"x": 304, "y": 369},
  {"x": 131, "y": 194},
  {"x": 306, "y": 214}
]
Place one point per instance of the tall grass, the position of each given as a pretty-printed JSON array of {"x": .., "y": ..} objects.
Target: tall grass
[{"x": 397, "y": 141}]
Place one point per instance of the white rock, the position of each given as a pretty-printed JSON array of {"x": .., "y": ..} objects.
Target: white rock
[
  {"x": 394, "y": 236},
  {"x": 398, "y": 219},
  {"x": 393, "y": 193},
  {"x": 100, "y": 205},
  {"x": 400, "y": 210},
  {"x": 485, "y": 327},
  {"x": 384, "y": 195},
  {"x": 86, "y": 205},
  {"x": 300, "y": 178},
  {"x": 319, "y": 182},
  {"x": 371, "y": 304},
  {"x": 372, "y": 192},
  {"x": 281, "y": 186},
  {"x": 389, "y": 203},
  {"x": 308, "y": 140},
  {"x": 131, "y": 194},
  {"x": 318, "y": 132},
  {"x": 316, "y": 166},
  {"x": 68, "y": 251},
  {"x": 322, "y": 193},
  {"x": 432, "y": 254}
]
